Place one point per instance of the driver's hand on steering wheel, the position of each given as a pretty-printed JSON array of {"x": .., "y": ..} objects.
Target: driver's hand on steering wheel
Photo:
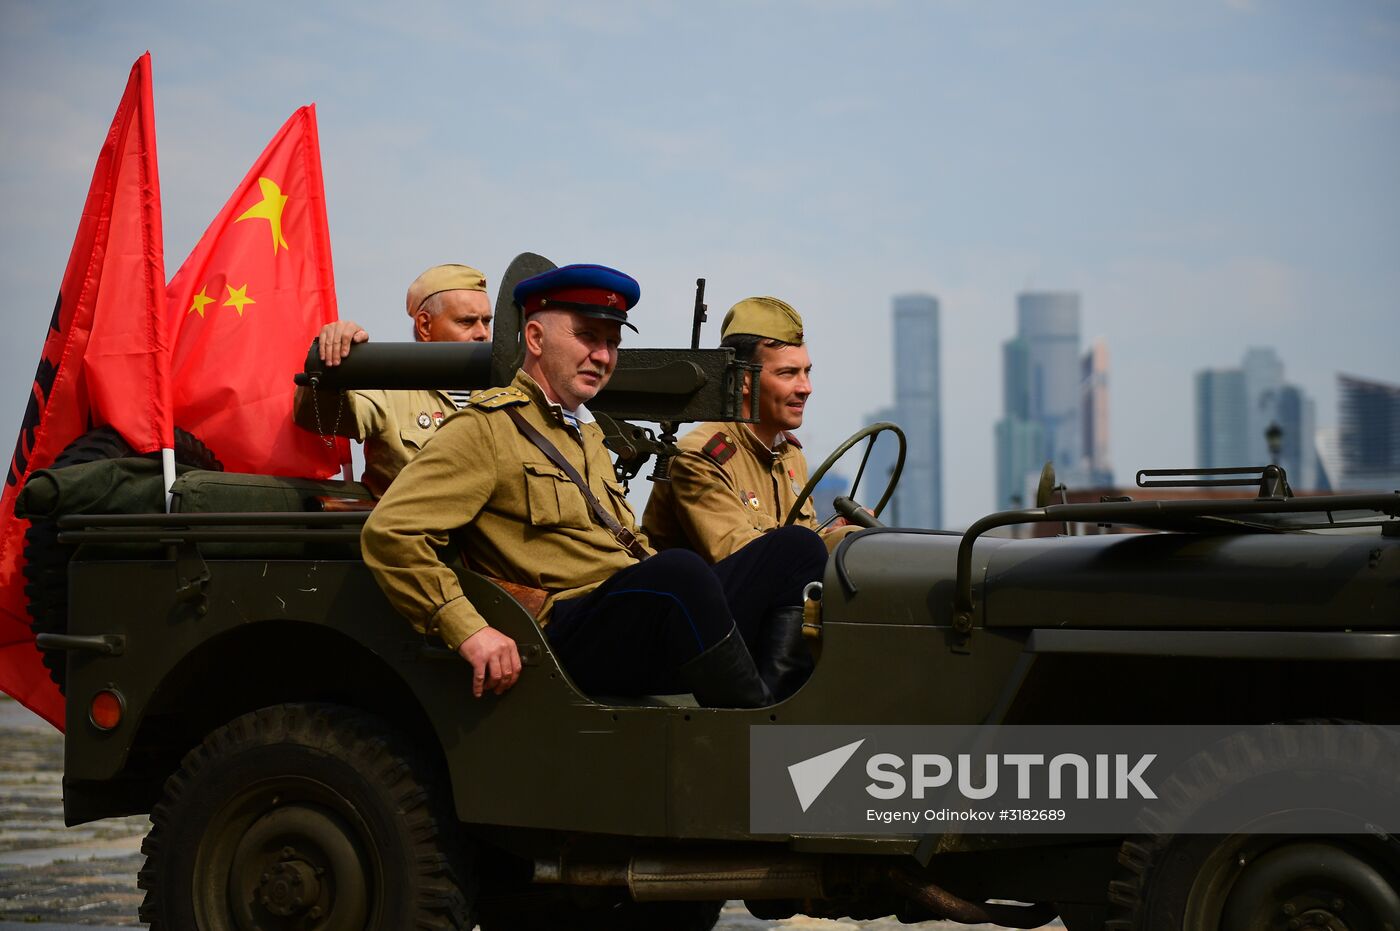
[{"x": 842, "y": 522}]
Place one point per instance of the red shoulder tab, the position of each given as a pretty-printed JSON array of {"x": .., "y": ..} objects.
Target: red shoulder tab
[
  {"x": 719, "y": 448},
  {"x": 793, "y": 440}
]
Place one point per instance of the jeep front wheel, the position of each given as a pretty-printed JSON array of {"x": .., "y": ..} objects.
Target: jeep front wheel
[{"x": 307, "y": 817}]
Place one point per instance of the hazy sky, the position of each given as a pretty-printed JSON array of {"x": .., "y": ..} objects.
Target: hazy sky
[{"x": 1207, "y": 175}]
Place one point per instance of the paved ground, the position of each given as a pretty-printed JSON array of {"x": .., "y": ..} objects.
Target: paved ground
[
  {"x": 84, "y": 879},
  {"x": 48, "y": 872}
]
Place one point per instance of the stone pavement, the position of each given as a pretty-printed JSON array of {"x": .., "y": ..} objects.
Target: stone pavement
[
  {"x": 51, "y": 873},
  {"x": 57, "y": 878}
]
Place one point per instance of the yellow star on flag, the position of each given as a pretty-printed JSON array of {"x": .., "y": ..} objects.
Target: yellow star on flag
[
  {"x": 200, "y": 300},
  {"x": 237, "y": 298},
  {"x": 269, "y": 209}
]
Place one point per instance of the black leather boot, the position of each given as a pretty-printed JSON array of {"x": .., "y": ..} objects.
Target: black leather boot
[
  {"x": 724, "y": 676},
  {"x": 786, "y": 660}
]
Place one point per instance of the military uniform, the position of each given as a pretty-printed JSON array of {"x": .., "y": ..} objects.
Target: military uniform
[
  {"x": 726, "y": 489},
  {"x": 529, "y": 524},
  {"x": 393, "y": 425}
]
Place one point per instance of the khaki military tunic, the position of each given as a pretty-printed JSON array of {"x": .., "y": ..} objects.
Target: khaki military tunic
[
  {"x": 728, "y": 488},
  {"x": 520, "y": 517},
  {"x": 393, "y": 425}
]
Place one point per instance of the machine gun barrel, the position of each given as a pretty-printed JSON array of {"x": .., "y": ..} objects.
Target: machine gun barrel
[
  {"x": 676, "y": 385},
  {"x": 403, "y": 365}
]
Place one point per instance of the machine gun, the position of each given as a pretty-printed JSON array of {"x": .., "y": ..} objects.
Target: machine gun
[{"x": 667, "y": 387}]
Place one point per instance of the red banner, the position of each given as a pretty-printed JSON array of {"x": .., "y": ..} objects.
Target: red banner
[
  {"x": 105, "y": 360},
  {"x": 247, "y": 303}
]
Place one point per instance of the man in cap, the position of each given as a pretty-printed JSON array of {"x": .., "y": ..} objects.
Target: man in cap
[
  {"x": 733, "y": 484},
  {"x": 447, "y": 303},
  {"x": 539, "y": 506}
]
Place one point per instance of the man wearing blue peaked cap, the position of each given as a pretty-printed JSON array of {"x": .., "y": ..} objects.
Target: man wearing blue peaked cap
[{"x": 522, "y": 480}]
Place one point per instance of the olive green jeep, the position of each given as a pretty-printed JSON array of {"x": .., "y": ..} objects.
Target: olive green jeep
[{"x": 309, "y": 762}]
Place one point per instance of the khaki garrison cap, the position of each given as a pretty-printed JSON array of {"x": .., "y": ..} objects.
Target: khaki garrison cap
[
  {"x": 441, "y": 278},
  {"x": 764, "y": 316}
]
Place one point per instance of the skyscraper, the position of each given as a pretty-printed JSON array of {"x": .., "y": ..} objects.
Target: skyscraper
[
  {"x": 1369, "y": 435},
  {"x": 916, "y": 402},
  {"x": 1043, "y": 394},
  {"x": 1235, "y": 409},
  {"x": 1221, "y": 434},
  {"x": 1093, "y": 415},
  {"x": 916, "y": 409},
  {"x": 1049, "y": 325},
  {"x": 1020, "y": 455}
]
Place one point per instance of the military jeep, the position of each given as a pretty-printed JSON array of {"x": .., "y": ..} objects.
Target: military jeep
[{"x": 309, "y": 762}]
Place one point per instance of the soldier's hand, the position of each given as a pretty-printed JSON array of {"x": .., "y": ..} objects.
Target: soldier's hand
[
  {"x": 842, "y": 522},
  {"x": 336, "y": 339},
  {"x": 494, "y": 659}
]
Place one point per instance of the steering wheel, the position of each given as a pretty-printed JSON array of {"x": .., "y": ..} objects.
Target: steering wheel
[{"x": 870, "y": 434}]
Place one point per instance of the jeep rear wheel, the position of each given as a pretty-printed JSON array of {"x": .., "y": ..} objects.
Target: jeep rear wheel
[
  {"x": 1251, "y": 882},
  {"x": 306, "y": 817},
  {"x": 1264, "y": 877}
]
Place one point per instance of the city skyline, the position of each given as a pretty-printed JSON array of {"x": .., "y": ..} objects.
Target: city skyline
[{"x": 1207, "y": 176}]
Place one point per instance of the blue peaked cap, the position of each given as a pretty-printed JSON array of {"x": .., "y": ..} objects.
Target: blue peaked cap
[{"x": 592, "y": 290}]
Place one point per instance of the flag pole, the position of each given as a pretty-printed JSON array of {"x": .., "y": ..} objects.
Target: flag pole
[{"x": 167, "y": 468}]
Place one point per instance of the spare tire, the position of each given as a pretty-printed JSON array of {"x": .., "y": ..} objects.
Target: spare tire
[{"x": 46, "y": 560}]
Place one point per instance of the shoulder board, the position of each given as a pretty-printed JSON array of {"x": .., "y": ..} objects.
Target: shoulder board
[
  {"x": 493, "y": 399},
  {"x": 793, "y": 440},
  {"x": 719, "y": 448}
]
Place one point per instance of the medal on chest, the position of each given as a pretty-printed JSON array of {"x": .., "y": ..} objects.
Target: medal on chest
[
  {"x": 424, "y": 420},
  {"x": 437, "y": 418},
  {"x": 796, "y": 488},
  {"x": 751, "y": 500}
]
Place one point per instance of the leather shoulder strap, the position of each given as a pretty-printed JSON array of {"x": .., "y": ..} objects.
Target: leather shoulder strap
[{"x": 625, "y": 537}]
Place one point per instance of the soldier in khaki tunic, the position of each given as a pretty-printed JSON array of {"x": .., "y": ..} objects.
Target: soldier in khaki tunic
[
  {"x": 620, "y": 619},
  {"x": 733, "y": 484},
  {"x": 447, "y": 303}
]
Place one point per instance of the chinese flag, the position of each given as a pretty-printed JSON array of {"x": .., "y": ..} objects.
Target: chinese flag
[
  {"x": 105, "y": 360},
  {"x": 245, "y": 306}
]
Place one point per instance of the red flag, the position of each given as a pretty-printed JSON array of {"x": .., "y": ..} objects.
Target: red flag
[
  {"x": 105, "y": 360},
  {"x": 246, "y": 305}
]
